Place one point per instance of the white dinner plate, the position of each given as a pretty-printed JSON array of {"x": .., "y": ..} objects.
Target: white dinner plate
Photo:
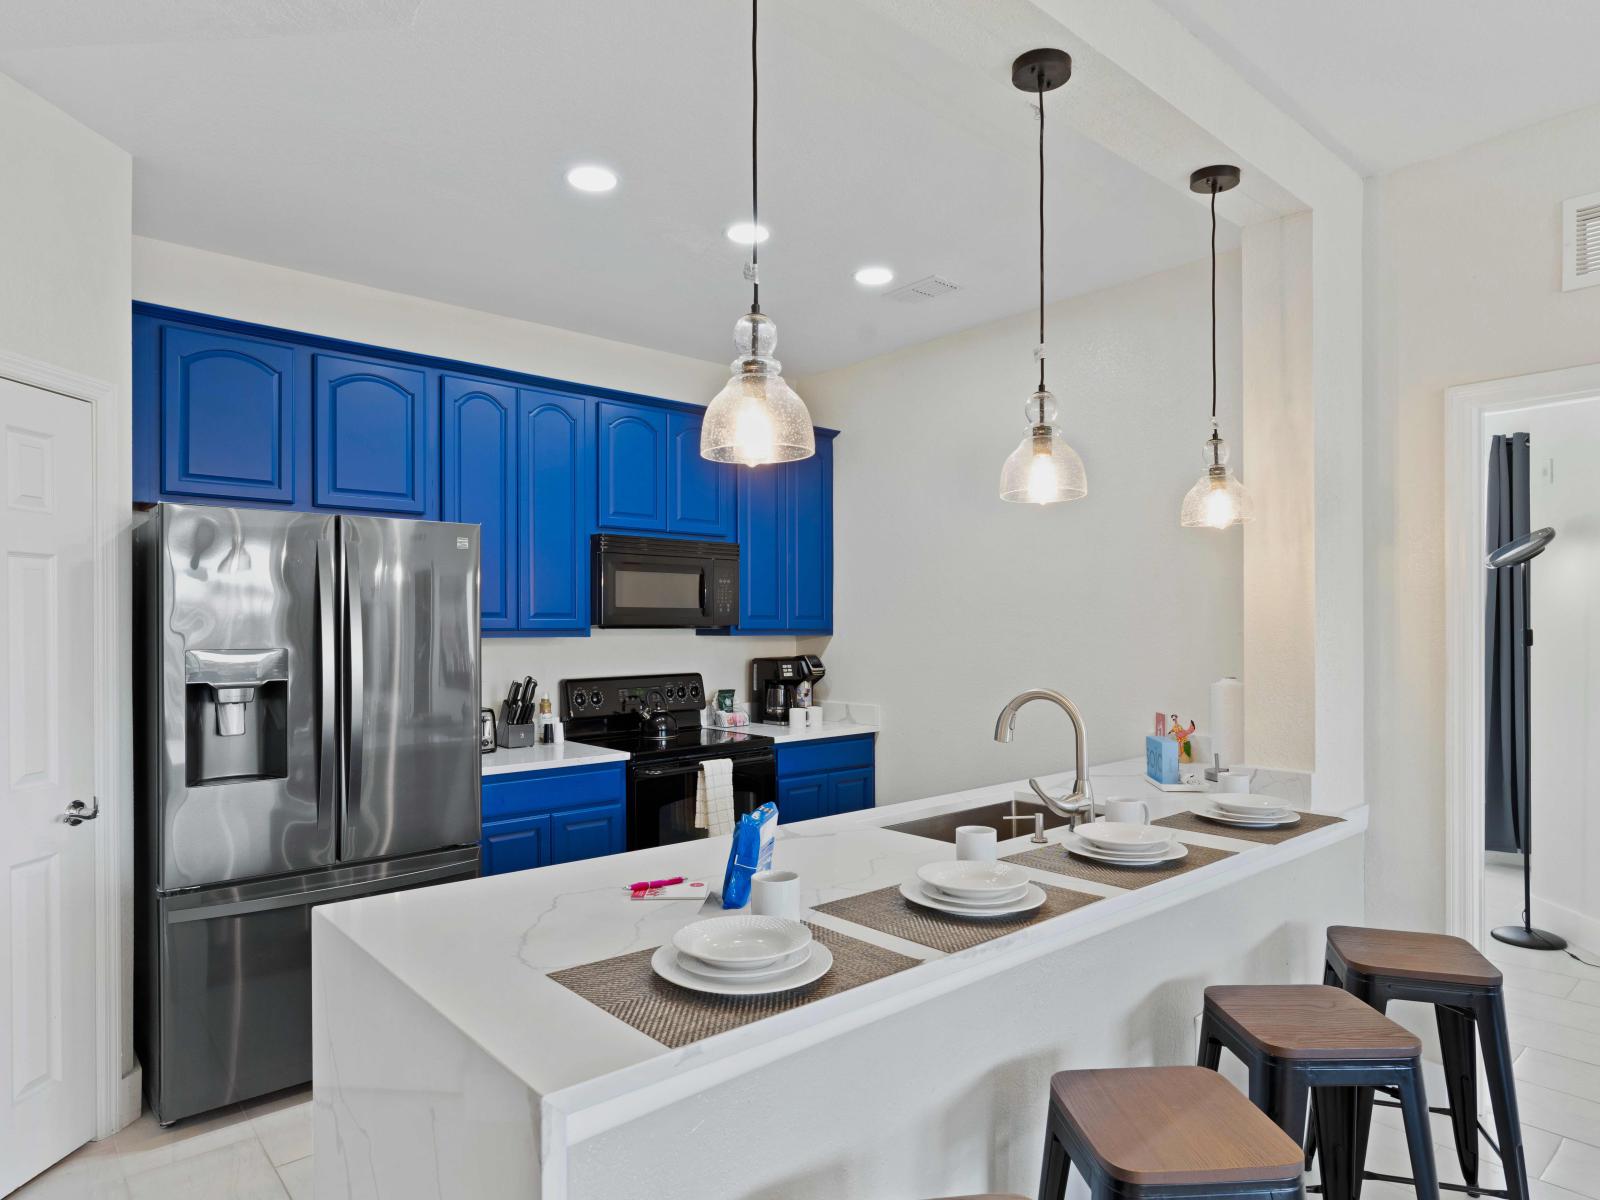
[
  {"x": 742, "y": 942},
  {"x": 1144, "y": 855},
  {"x": 1208, "y": 813},
  {"x": 1249, "y": 806},
  {"x": 966, "y": 879},
  {"x": 914, "y": 891},
  {"x": 707, "y": 971},
  {"x": 1076, "y": 845},
  {"x": 1007, "y": 897},
  {"x": 1124, "y": 836},
  {"x": 665, "y": 964}
]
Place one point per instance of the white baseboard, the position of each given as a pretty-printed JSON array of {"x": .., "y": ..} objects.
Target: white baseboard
[{"x": 1581, "y": 930}]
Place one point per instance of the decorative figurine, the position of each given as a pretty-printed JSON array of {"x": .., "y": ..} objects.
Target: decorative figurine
[{"x": 1181, "y": 735}]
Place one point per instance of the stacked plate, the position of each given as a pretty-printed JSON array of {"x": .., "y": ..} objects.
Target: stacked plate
[
  {"x": 1124, "y": 844},
  {"x": 1246, "y": 811},
  {"x": 743, "y": 956},
  {"x": 973, "y": 889}
]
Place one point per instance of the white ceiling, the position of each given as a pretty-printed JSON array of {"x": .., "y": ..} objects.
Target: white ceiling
[
  {"x": 420, "y": 145},
  {"x": 1391, "y": 82}
]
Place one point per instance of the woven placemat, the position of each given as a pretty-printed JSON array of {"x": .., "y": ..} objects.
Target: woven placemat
[
  {"x": 887, "y": 911},
  {"x": 1189, "y": 823},
  {"x": 1057, "y": 861},
  {"x": 629, "y": 990}
]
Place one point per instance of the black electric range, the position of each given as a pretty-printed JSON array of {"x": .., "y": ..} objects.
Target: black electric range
[{"x": 626, "y": 712}]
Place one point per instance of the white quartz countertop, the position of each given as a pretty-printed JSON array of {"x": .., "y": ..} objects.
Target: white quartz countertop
[
  {"x": 544, "y": 758},
  {"x": 784, "y": 734},
  {"x": 478, "y": 952}
]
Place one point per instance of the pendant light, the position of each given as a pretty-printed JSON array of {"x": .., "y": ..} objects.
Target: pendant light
[
  {"x": 1218, "y": 500},
  {"x": 1043, "y": 469},
  {"x": 756, "y": 418}
]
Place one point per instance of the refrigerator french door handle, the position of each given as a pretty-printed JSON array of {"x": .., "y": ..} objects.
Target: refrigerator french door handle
[
  {"x": 356, "y": 690},
  {"x": 328, "y": 765}
]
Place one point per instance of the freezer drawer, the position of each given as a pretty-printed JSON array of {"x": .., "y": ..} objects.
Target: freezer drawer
[{"x": 230, "y": 1017}]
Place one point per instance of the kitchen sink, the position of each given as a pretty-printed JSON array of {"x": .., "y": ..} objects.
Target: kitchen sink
[{"x": 942, "y": 828}]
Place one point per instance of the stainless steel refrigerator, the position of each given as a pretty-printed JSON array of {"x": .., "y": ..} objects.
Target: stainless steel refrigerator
[{"x": 306, "y": 730}]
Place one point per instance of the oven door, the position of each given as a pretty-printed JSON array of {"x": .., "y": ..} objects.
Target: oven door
[
  {"x": 661, "y": 796},
  {"x": 652, "y": 591}
]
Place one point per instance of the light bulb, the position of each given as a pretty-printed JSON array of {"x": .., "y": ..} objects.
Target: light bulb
[
  {"x": 1220, "y": 509},
  {"x": 1041, "y": 480},
  {"x": 752, "y": 434}
]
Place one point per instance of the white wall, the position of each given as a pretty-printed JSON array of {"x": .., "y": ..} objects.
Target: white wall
[
  {"x": 1464, "y": 284},
  {"x": 202, "y": 281},
  {"x": 948, "y": 601},
  {"x": 65, "y": 213},
  {"x": 1564, "y": 491}
]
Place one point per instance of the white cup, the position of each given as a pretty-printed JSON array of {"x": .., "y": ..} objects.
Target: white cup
[
  {"x": 797, "y": 718},
  {"x": 775, "y": 894},
  {"x": 1133, "y": 812},
  {"x": 976, "y": 843},
  {"x": 1233, "y": 781},
  {"x": 814, "y": 717}
]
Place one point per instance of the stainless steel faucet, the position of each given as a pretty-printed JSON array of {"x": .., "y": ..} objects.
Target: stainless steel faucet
[{"x": 1078, "y": 806}]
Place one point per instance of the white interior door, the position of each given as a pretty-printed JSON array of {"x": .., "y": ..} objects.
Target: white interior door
[{"x": 47, "y": 930}]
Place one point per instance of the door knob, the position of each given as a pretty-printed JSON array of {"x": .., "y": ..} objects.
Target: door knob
[{"x": 76, "y": 815}]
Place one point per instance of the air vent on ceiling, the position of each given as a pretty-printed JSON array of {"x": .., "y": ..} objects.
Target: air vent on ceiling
[
  {"x": 1580, "y": 242},
  {"x": 932, "y": 287}
]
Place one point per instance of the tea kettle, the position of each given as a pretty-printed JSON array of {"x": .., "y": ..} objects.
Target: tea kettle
[{"x": 658, "y": 724}]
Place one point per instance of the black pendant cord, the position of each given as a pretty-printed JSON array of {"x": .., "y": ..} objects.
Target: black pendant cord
[
  {"x": 1041, "y": 234},
  {"x": 1213, "y": 310},
  {"x": 755, "y": 203}
]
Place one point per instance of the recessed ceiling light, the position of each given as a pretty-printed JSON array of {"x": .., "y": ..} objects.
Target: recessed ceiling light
[
  {"x": 591, "y": 178},
  {"x": 874, "y": 276},
  {"x": 747, "y": 234}
]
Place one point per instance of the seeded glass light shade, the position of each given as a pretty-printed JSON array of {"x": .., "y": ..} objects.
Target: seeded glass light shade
[
  {"x": 1218, "y": 500},
  {"x": 1043, "y": 469},
  {"x": 756, "y": 418}
]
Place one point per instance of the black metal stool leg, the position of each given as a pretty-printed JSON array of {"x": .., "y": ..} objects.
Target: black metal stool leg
[
  {"x": 1503, "y": 1093},
  {"x": 1330, "y": 978},
  {"x": 1210, "y": 1044},
  {"x": 1289, "y": 1096},
  {"x": 1458, "y": 1045},
  {"x": 1335, "y": 1109},
  {"x": 1053, "y": 1175},
  {"x": 1419, "y": 1136}
]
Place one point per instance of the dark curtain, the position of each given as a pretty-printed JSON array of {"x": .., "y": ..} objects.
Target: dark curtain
[{"x": 1507, "y": 779}]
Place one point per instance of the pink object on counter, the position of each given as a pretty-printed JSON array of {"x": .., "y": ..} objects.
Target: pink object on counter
[{"x": 654, "y": 883}]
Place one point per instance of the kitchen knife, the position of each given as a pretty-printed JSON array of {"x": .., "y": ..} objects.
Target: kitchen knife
[
  {"x": 513, "y": 702},
  {"x": 529, "y": 689}
]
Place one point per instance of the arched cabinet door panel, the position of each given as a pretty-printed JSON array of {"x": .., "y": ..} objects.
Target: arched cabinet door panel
[
  {"x": 373, "y": 430},
  {"x": 702, "y": 496},
  {"x": 479, "y": 438},
  {"x": 631, "y": 441},
  {"x": 556, "y": 485},
  {"x": 227, "y": 408}
]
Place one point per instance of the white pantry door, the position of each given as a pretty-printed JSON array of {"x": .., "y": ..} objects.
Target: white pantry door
[{"x": 47, "y": 867}]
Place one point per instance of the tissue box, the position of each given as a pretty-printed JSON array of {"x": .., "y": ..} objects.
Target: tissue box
[{"x": 1161, "y": 759}]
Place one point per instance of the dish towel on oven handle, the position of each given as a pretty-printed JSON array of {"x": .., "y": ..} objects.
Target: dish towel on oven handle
[{"x": 713, "y": 797}]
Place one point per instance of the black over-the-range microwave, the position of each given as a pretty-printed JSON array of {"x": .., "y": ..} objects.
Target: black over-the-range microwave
[{"x": 664, "y": 583}]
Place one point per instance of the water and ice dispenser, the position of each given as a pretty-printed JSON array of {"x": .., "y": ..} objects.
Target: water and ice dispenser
[{"x": 236, "y": 705}]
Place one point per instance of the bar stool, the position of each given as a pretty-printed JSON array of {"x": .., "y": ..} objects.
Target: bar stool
[
  {"x": 1298, "y": 1037},
  {"x": 1467, "y": 994},
  {"x": 1158, "y": 1133}
]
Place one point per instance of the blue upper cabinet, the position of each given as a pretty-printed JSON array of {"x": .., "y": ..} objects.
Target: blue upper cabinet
[
  {"x": 556, "y": 489},
  {"x": 631, "y": 445},
  {"x": 702, "y": 496},
  {"x": 786, "y": 545},
  {"x": 226, "y": 414},
  {"x": 479, "y": 435},
  {"x": 373, "y": 437}
]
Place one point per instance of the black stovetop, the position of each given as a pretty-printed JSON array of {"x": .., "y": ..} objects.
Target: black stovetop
[{"x": 687, "y": 739}]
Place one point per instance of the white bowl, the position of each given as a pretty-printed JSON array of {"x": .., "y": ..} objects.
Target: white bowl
[
  {"x": 966, "y": 879},
  {"x": 1122, "y": 836},
  {"x": 1249, "y": 806},
  {"x": 789, "y": 962},
  {"x": 748, "y": 942}
]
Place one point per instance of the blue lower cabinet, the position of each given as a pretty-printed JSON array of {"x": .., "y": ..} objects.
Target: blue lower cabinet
[
  {"x": 553, "y": 816},
  {"x": 515, "y": 845},
  {"x": 825, "y": 778}
]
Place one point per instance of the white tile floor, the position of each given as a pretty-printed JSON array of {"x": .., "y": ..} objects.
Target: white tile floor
[{"x": 262, "y": 1150}]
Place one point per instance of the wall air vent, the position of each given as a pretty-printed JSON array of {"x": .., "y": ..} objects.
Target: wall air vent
[
  {"x": 1580, "y": 242},
  {"x": 932, "y": 287}
]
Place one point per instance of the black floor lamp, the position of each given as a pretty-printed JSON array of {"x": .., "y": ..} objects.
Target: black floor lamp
[{"x": 1515, "y": 555}]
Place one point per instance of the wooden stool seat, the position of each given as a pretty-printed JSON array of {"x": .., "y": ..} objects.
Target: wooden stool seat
[
  {"x": 1310, "y": 1021},
  {"x": 1154, "y": 1131},
  {"x": 1401, "y": 954}
]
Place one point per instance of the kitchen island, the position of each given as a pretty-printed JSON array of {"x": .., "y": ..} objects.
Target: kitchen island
[{"x": 449, "y": 1063}]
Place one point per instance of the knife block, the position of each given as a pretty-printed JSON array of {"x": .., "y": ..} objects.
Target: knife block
[{"x": 514, "y": 737}]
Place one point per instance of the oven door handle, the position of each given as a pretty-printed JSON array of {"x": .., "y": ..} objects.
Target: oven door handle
[{"x": 667, "y": 770}]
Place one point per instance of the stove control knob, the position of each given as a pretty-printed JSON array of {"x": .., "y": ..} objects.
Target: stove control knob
[
  {"x": 694, "y": 691},
  {"x": 683, "y": 692},
  {"x": 579, "y": 699},
  {"x": 596, "y": 699}
]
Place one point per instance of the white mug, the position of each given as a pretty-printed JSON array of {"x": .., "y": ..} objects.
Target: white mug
[
  {"x": 976, "y": 843},
  {"x": 797, "y": 718},
  {"x": 814, "y": 717},
  {"x": 1232, "y": 781},
  {"x": 1134, "y": 812},
  {"x": 775, "y": 894}
]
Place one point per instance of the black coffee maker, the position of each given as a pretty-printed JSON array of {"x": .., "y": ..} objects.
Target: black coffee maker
[{"x": 774, "y": 683}]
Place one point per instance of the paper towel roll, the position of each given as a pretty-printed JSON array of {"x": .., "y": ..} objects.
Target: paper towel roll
[{"x": 1227, "y": 720}]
